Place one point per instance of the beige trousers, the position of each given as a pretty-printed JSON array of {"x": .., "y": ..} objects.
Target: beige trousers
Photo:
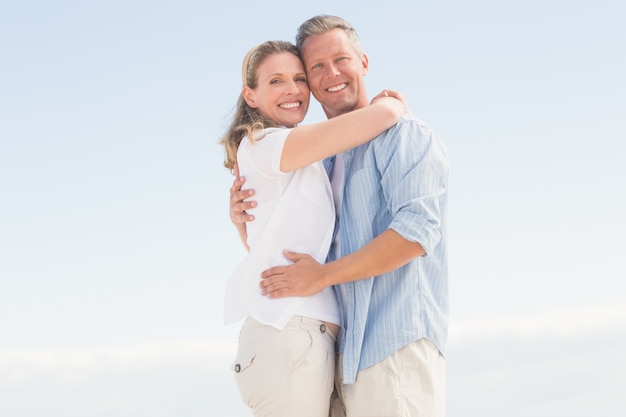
[
  {"x": 409, "y": 383},
  {"x": 288, "y": 372}
]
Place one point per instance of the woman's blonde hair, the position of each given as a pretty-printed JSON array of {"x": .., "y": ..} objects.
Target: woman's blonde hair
[{"x": 247, "y": 120}]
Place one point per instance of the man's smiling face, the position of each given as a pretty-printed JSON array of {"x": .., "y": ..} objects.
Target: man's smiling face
[{"x": 335, "y": 72}]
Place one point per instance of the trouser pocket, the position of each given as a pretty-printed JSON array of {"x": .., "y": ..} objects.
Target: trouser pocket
[
  {"x": 242, "y": 363},
  {"x": 285, "y": 372}
]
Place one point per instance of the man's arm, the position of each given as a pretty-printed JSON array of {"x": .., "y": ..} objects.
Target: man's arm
[
  {"x": 406, "y": 157},
  {"x": 386, "y": 252}
]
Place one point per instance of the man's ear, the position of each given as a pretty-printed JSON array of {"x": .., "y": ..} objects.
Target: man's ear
[
  {"x": 365, "y": 63},
  {"x": 249, "y": 96}
]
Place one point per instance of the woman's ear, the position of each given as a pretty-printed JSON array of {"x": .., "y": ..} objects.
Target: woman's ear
[{"x": 249, "y": 97}]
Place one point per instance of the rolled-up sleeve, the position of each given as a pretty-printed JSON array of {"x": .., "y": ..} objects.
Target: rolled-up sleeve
[{"x": 414, "y": 172}]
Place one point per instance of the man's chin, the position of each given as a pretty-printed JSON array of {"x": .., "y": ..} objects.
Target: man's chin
[{"x": 337, "y": 107}]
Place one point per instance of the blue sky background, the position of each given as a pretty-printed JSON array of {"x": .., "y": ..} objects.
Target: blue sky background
[{"x": 115, "y": 242}]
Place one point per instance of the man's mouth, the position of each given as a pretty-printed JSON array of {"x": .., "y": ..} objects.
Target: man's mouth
[{"x": 336, "y": 88}]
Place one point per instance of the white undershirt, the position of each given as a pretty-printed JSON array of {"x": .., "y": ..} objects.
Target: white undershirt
[{"x": 336, "y": 183}]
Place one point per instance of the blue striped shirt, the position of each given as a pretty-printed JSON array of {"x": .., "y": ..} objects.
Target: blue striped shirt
[{"x": 397, "y": 181}]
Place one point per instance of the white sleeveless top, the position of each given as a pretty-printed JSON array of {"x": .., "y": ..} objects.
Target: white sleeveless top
[{"x": 295, "y": 211}]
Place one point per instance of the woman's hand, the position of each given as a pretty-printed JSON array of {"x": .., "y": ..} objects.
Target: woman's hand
[
  {"x": 238, "y": 206},
  {"x": 393, "y": 94}
]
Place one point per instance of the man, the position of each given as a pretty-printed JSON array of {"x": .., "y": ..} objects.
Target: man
[{"x": 389, "y": 263}]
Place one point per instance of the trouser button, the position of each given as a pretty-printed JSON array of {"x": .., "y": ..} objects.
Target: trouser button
[{"x": 323, "y": 328}]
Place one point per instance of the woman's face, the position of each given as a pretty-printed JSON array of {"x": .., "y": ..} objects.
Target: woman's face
[{"x": 282, "y": 93}]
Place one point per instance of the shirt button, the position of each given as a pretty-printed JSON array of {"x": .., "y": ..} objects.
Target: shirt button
[
  {"x": 323, "y": 328},
  {"x": 237, "y": 368}
]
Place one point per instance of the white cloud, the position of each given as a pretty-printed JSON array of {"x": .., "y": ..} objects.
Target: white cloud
[
  {"x": 563, "y": 362},
  {"x": 76, "y": 366},
  {"x": 551, "y": 325},
  {"x": 187, "y": 377}
]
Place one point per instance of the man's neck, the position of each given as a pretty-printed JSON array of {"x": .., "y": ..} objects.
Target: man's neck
[{"x": 331, "y": 113}]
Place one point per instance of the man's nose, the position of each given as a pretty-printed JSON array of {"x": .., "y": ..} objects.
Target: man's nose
[{"x": 332, "y": 71}]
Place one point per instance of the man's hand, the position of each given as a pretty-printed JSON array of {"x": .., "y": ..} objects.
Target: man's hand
[
  {"x": 305, "y": 276},
  {"x": 302, "y": 278},
  {"x": 238, "y": 206}
]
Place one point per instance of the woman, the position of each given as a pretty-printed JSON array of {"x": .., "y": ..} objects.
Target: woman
[{"x": 285, "y": 360}]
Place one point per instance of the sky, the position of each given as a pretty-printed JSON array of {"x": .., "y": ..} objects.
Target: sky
[{"x": 115, "y": 239}]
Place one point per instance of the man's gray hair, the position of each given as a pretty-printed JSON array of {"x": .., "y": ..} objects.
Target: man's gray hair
[{"x": 323, "y": 23}]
